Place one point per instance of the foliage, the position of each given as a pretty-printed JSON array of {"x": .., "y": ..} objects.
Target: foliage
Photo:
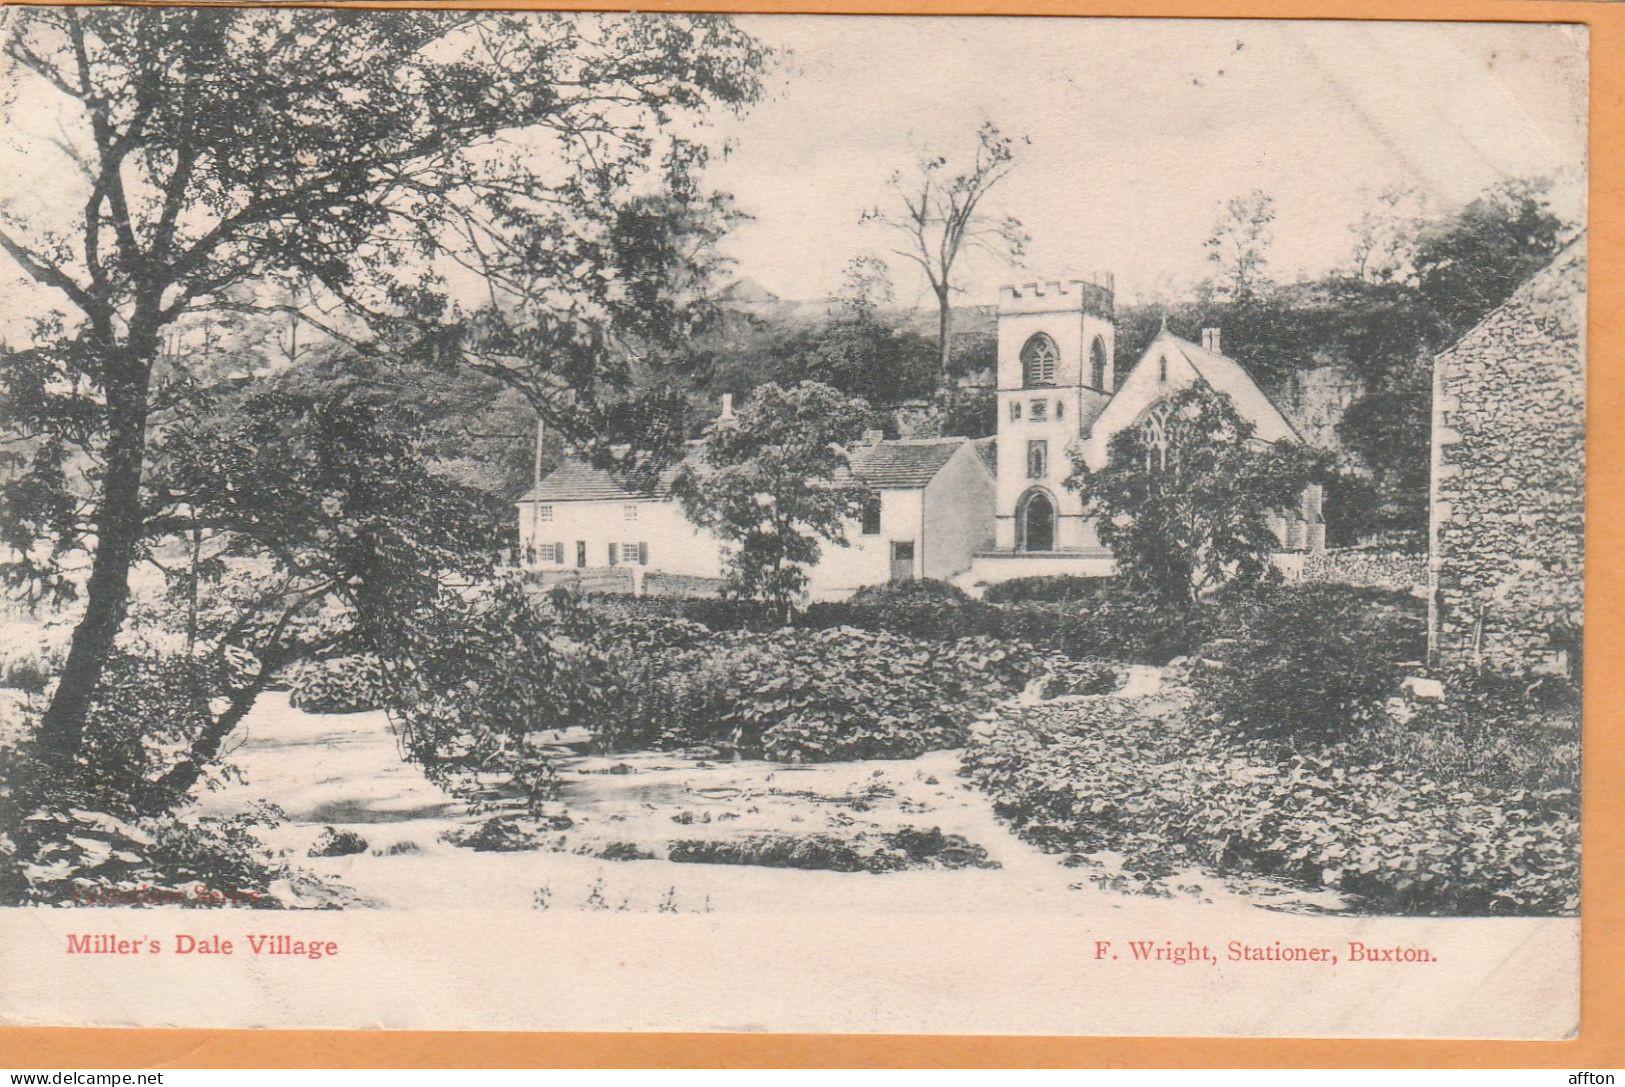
[
  {"x": 914, "y": 591},
  {"x": 1117, "y": 625},
  {"x": 941, "y": 216},
  {"x": 815, "y": 695},
  {"x": 1168, "y": 794},
  {"x": 1309, "y": 660},
  {"x": 1239, "y": 245},
  {"x": 1187, "y": 508},
  {"x": 906, "y": 847},
  {"x": 348, "y": 684},
  {"x": 478, "y": 681},
  {"x": 968, "y": 412},
  {"x": 1048, "y": 589},
  {"x": 772, "y": 483},
  {"x": 308, "y": 164},
  {"x": 74, "y": 856},
  {"x": 862, "y": 349}
]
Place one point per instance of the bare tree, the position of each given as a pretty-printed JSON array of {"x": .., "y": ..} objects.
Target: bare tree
[{"x": 941, "y": 216}]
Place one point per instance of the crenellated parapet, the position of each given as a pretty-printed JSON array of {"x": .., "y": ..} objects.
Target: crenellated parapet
[{"x": 1095, "y": 295}]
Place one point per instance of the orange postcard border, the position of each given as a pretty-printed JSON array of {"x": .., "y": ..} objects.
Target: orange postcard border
[{"x": 1601, "y": 1040}]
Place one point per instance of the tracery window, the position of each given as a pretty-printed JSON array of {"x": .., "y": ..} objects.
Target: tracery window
[{"x": 1155, "y": 431}]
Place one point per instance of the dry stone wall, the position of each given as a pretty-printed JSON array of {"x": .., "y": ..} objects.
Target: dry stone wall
[{"x": 1507, "y": 523}]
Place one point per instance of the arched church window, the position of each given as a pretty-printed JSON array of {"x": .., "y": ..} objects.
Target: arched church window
[
  {"x": 1097, "y": 364},
  {"x": 1038, "y": 360},
  {"x": 1154, "y": 429}
]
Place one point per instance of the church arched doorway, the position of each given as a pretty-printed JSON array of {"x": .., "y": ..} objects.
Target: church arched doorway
[{"x": 1035, "y": 522}]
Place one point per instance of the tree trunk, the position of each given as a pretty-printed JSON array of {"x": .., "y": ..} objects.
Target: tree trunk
[
  {"x": 945, "y": 321},
  {"x": 118, "y": 535}
]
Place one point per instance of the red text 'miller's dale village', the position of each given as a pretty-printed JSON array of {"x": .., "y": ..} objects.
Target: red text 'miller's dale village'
[{"x": 180, "y": 943}]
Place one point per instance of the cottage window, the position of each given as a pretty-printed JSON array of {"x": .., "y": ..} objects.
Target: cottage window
[
  {"x": 1060, "y": 409},
  {"x": 546, "y": 513},
  {"x": 1037, "y": 459},
  {"x": 1038, "y": 411},
  {"x": 630, "y": 552},
  {"x": 1038, "y": 360},
  {"x": 581, "y": 552},
  {"x": 614, "y": 552},
  {"x": 629, "y": 511},
  {"x": 1015, "y": 410},
  {"x": 546, "y": 553},
  {"x": 871, "y": 516}
]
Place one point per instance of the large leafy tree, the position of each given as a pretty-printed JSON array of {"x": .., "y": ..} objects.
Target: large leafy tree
[
  {"x": 861, "y": 349},
  {"x": 363, "y": 163},
  {"x": 1185, "y": 498},
  {"x": 774, "y": 484}
]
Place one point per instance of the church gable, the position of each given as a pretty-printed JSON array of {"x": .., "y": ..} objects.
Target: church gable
[{"x": 1169, "y": 365}]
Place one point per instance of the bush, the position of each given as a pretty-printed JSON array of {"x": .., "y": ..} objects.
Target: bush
[
  {"x": 1053, "y": 589},
  {"x": 1169, "y": 794},
  {"x": 1502, "y": 734},
  {"x": 1115, "y": 625},
  {"x": 338, "y": 685},
  {"x": 1307, "y": 660},
  {"x": 815, "y": 695},
  {"x": 920, "y": 591}
]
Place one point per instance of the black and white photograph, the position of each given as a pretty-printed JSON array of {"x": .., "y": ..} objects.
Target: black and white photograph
[{"x": 612, "y": 521}]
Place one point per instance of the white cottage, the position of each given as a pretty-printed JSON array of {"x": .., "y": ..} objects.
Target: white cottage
[{"x": 932, "y": 511}]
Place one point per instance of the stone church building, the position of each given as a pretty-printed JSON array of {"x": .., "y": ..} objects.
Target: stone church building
[
  {"x": 1506, "y": 532},
  {"x": 972, "y": 512}
]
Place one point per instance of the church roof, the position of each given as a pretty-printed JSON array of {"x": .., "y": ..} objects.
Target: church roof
[{"x": 1224, "y": 374}]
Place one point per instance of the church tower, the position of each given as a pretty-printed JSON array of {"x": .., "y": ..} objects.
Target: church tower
[{"x": 1056, "y": 344}]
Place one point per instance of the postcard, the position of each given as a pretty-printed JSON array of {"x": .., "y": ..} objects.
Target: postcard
[{"x": 687, "y": 522}]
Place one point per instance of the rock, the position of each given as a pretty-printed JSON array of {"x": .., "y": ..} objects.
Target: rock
[
  {"x": 1423, "y": 688},
  {"x": 337, "y": 843},
  {"x": 499, "y": 834}
]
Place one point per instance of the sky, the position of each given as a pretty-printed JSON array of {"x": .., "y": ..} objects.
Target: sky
[{"x": 1138, "y": 129}]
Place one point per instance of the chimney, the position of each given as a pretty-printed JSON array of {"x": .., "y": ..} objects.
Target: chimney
[
  {"x": 1210, "y": 340},
  {"x": 727, "y": 406}
]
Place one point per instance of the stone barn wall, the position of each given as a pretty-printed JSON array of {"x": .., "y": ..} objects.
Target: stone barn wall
[{"x": 1507, "y": 522}]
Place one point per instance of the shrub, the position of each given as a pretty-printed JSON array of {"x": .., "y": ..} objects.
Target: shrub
[
  {"x": 1115, "y": 625},
  {"x": 1052, "y": 589},
  {"x": 1307, "y": 660},
  {"x": 815, "y": 695},
  {"x": 919, "y": 591},
  {"x": 1169, "y": 794},
  {"x": 338, "y": 685},
  {"x": 1497, "y": 733}
]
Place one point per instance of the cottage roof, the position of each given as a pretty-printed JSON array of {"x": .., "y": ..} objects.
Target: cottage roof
[
  {"x": 896, "y": 464},
  {"x": 576, "y": 480},
  {"x": 905, "y": 463}
]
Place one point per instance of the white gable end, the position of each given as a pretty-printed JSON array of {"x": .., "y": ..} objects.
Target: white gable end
[{"x": 1169, "y": 365}]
